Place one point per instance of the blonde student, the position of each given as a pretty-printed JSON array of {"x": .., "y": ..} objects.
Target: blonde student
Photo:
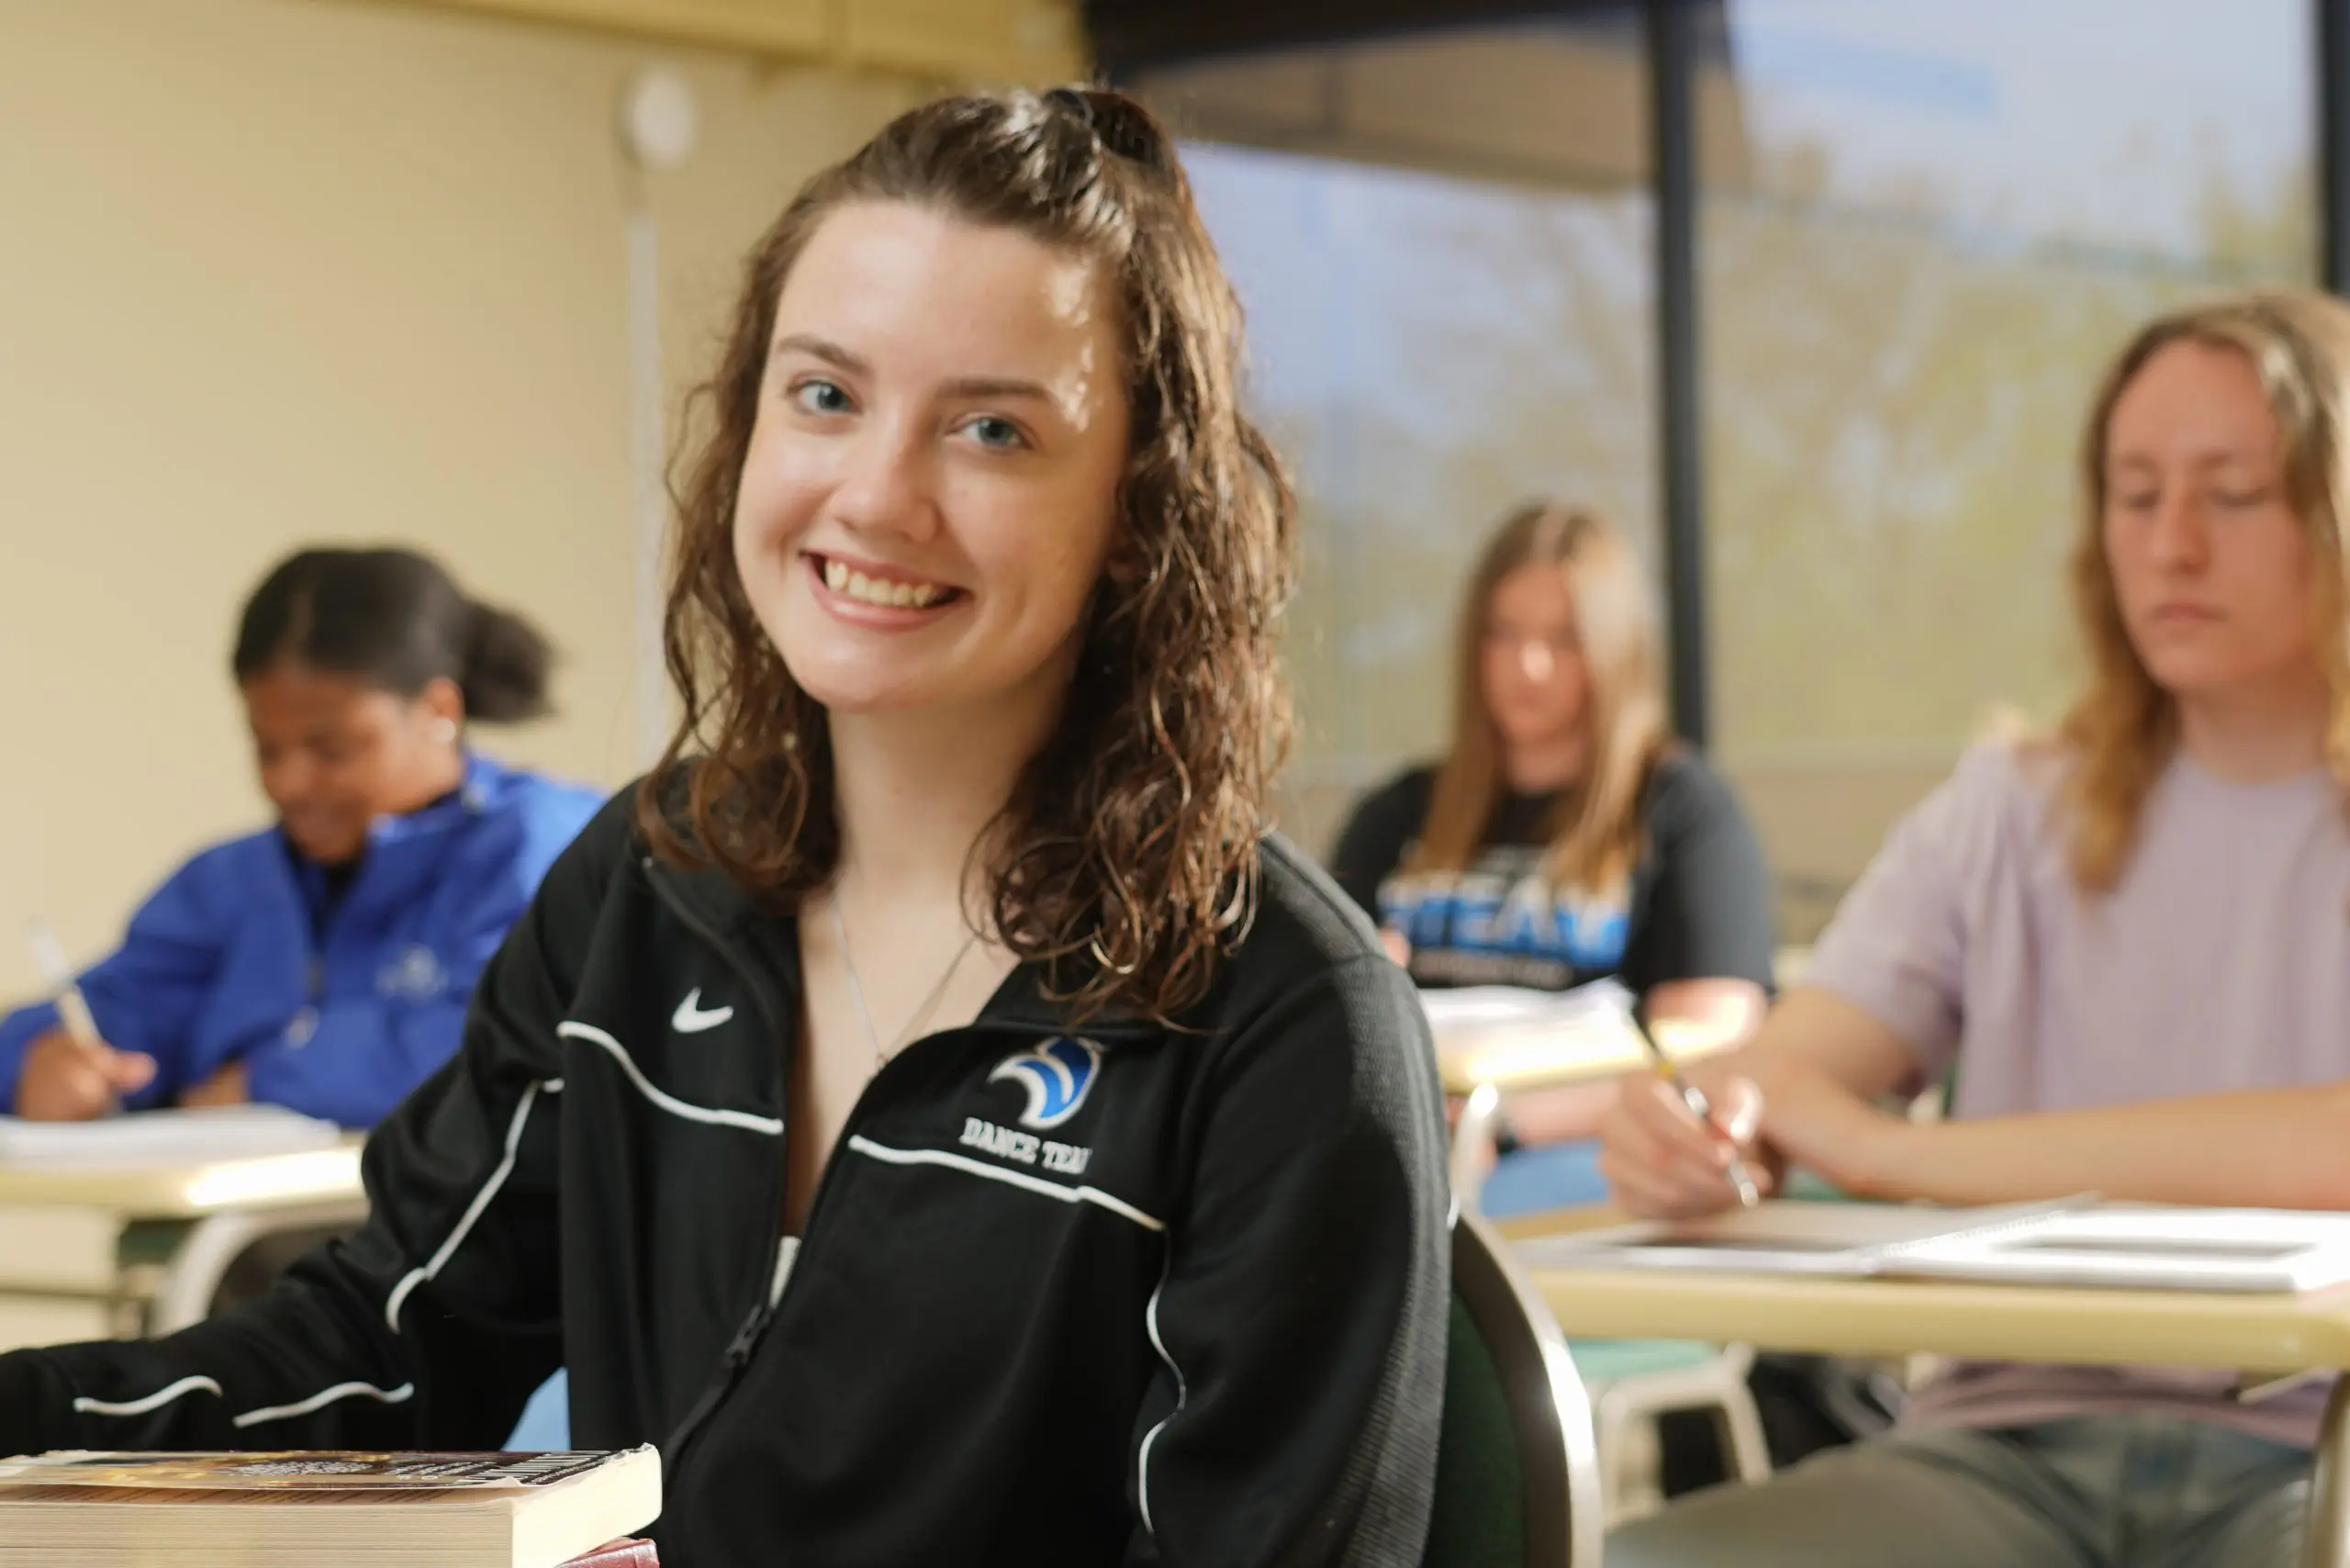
[
  {"x": 933, "y": 1108},
  {"x": 2131, "y": 939},
  {"x": 1565, "y": 837}
]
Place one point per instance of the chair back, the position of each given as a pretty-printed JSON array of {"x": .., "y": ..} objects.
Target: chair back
[{"x": 1517, "y": 1471}]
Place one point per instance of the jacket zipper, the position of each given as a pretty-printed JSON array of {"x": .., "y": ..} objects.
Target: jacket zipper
[{"x": 754, "y": 1322}]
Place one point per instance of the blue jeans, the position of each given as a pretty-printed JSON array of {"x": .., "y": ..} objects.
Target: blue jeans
[
  {"x": 2091, "y": 1492},
  {"x": 545, "y": 1426},
  {"x": 1543, "y": 1176}
]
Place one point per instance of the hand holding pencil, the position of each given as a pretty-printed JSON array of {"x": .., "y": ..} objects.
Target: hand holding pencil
[
  {"x": 1740, "y": 1181},
  {"x": 1672, "y": 1152},
  {"x": 71, "y": 1074}
]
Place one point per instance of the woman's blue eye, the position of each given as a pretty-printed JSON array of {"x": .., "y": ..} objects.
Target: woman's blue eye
[
  {"x": 989, "y": 431},
  {"x": 820, "y": 397}
]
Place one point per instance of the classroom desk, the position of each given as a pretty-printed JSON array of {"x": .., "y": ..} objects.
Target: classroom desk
[
  {"x": 63, "y": 1274},
  {"x": 2260, "y": 1336},
  {"x": 1532, "y": 1058},
  {"x": 1479, "y": 1068}
]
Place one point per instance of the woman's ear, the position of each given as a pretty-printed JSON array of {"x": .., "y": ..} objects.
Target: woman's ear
[
  {"x": 1128, "y": 564},
  {"x": 444, "y": 709}
]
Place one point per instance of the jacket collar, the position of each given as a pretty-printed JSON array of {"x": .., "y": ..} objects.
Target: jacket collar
[
  {"x": 389, "y": 837},
  {"x": 767, "y": 942}
]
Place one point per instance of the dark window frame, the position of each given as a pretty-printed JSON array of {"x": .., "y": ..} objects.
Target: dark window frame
[{"x": 1131, "y": 34}]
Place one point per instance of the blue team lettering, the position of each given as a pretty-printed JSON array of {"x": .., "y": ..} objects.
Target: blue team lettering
[{"x": 1529, "y": 916}]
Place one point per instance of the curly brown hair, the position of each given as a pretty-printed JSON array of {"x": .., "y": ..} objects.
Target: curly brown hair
[{"x": 1125, "y": 859}]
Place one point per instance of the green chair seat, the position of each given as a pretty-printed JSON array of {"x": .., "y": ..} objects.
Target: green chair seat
[
  {"x": 1479, "y": 1518},
  {"x": 1611, "y": 1361},
  {"x": 1516, "y": 1475}
]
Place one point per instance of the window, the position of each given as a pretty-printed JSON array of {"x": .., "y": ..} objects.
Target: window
[
  {"x": 1443, "y": 246},
  {"x": 1930, "y": 228}
]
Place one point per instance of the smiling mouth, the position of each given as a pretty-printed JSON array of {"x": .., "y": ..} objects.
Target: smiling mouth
[{"x": 888, "y": 593}]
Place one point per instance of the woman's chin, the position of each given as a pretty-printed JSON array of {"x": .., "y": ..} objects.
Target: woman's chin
[
  {"x": 328, "y": 851},
  {"x": 858, "y": 693}
]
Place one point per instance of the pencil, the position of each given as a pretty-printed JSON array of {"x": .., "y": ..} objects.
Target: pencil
[
  {"x": 72, "y": 1007},
  {"x": 1699, "y": 1107}
]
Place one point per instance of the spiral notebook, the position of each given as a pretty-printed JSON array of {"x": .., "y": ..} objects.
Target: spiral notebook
[{"x": 2075, "y": 1241}]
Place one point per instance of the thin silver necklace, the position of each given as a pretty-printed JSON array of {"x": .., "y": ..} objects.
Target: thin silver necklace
[{"x": 857, "y": 989}]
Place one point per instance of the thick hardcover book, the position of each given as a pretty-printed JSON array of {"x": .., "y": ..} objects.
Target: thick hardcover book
[{"x": 299, "y": 1509}]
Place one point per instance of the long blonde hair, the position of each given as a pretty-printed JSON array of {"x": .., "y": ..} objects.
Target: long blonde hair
[
  {"x": 1598, "y": 833},
  {"x": 2121, "y": 733}
]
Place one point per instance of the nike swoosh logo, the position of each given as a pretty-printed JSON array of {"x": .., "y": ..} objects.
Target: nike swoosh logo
[{"x": 690, "y": 1018}]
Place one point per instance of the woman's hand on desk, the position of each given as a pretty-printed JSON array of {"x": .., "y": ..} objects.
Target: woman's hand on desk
[
  {"x": 228, "y": 1086},
  {"x": 1662, "y": 1164},
  {"x": 1804, "y": 1086},
  {"x": 65, "y": 1080}
]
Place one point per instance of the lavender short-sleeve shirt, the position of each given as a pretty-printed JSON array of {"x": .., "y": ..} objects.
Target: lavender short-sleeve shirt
[{"x": 2221, "y": 961}]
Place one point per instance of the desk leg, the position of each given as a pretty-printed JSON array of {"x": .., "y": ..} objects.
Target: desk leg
[
  {"x": 1472, "y": 1145},
  {"x": 185, "y": 1295},
  {"x": 2328, "y": 1545}
]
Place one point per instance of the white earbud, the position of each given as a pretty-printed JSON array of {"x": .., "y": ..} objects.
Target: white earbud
[{"x": 444, "y": 730}]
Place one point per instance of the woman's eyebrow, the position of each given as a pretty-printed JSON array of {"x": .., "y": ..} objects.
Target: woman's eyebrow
[
  {"x": 995, "y": 386},
  {"x": 817, "y": 348}
]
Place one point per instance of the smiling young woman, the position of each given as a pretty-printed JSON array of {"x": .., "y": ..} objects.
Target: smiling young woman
[{"x": 932, "y": 1107}]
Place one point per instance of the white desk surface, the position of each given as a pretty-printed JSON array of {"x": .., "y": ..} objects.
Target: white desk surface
[
  {"x": 2238, "y": 1332},
  {"x": 190, "y": 1191}
]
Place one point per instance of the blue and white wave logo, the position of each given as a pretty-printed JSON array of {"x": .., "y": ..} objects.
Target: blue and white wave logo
[
  {"x": 415, "y": 976},
  {"x": 1057, "y": 1075}
]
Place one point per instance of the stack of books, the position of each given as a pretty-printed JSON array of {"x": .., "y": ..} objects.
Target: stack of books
[{"x": 302, "y": 1509}]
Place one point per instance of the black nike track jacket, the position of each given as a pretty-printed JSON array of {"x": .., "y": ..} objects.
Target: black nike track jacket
[{"x": 1123, "y": 1294}]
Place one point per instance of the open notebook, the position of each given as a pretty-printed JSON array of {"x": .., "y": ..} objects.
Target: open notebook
[
  {"x": 162, "y": 1137},
  {"x": 2075, "y": 1241},
  {"x": 1470, "y": 1011},
  {"x": 1501, "y": 1033}
]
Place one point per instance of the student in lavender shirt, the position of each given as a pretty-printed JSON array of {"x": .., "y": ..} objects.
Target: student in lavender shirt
[{"x": 2132, "y": 940}]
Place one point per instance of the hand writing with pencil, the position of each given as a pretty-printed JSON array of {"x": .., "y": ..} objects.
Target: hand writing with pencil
[
  {"x": 1769, "y": 1112},
  {"x": 66, "y": 1078},
  {"x": 1662, "y": 1162},
  {"x": 71, "y": 1074}
]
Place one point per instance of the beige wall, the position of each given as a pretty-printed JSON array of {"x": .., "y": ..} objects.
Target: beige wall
[{"x": 283, "y": 270}]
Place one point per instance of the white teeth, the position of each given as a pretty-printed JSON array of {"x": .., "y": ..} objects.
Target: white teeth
[{"x": 850, "y": 583}]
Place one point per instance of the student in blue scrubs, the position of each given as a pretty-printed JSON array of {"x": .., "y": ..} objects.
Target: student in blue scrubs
[{"x": 324, "y": 964}]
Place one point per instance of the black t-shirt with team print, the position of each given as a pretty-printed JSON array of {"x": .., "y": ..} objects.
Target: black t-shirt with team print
[{"x": 1698, "y": 905}]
